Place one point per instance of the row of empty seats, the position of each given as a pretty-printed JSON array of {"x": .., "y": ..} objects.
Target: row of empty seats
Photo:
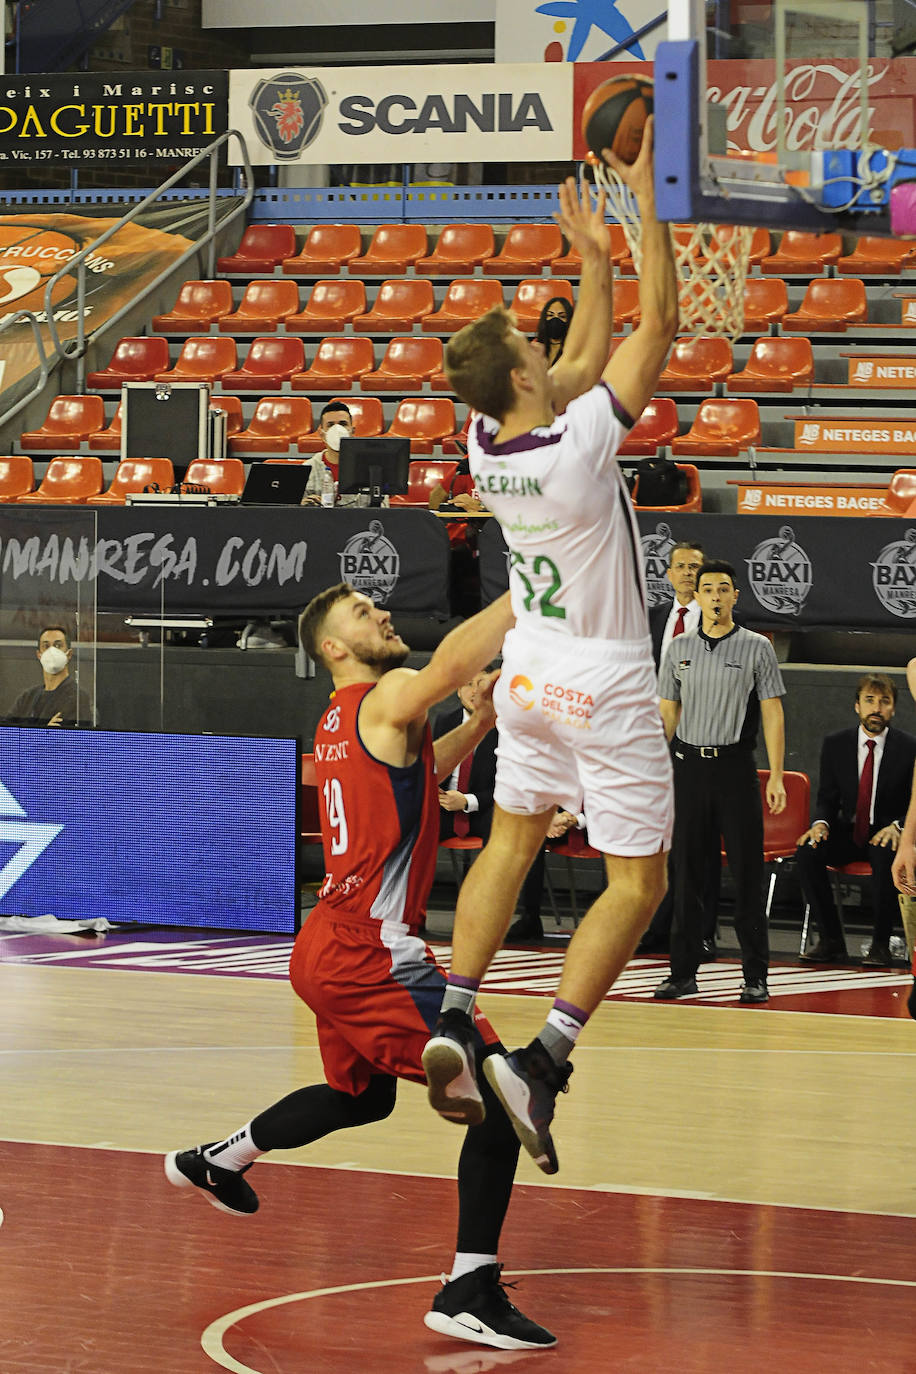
[
  {"x": 278, "y": 423},
  {"x": 829, "y": 303},
  {"x": 396, "y": 249}
]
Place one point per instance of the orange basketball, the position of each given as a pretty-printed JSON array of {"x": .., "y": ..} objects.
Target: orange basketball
[{"x": 615, "y": 114}]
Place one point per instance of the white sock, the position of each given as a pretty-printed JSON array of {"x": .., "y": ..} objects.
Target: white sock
[
  {"x": 466, "y": 1262},
  {"x": 234, "y": 1153}
]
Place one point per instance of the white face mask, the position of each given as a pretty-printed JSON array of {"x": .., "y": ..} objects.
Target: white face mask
[
  {"x": 54, "y": 661},
  {"x": 334, "y": 435}
]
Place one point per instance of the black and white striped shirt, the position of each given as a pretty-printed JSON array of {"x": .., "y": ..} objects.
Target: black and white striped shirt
[{"x": 719, "y": 683}]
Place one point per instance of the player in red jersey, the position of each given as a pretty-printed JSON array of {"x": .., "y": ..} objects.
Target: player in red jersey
[{"x": 358, "y": 960}]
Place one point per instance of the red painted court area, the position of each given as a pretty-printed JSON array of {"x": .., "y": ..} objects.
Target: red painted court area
[{"x": 108, "y": 1270}]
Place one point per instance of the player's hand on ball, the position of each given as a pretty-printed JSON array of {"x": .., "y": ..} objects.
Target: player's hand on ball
[{"x": 639, "y": 176}]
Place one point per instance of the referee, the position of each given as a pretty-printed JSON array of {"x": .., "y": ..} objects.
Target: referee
[{"x": 715, "y": 683}]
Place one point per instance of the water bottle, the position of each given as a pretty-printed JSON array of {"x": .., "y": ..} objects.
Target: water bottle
[{"x": 327, "y": 488}]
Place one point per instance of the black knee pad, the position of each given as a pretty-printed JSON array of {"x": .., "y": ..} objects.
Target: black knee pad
[{"x": 377, "y": 1101}]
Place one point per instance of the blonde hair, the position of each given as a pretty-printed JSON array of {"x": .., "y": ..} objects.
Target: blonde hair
[{"x": 479, "y": 362}]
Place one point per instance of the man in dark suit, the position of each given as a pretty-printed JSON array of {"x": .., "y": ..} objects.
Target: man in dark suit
[
  {"x": 866, "y": 774},
  {"x": 666, "y": 621}
]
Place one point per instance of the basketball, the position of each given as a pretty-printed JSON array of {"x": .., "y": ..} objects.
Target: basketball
[{"x": 615, "y": 114}]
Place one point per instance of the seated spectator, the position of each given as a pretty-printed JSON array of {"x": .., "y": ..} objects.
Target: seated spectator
[
  {"x": 553, "y": 326},
  {"x": 335, "y": 423},
  {"x": 56, "y": 700},
  {"x": 461, "y": 493},
  {"x": 863, "y": 792}
]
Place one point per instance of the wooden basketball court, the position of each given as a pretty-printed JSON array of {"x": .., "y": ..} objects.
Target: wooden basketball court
[{"x": 735, "y": 1192}]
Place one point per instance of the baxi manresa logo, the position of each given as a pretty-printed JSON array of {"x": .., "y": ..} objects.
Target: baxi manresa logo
[
  {"x": 779, "y": 572},
  {"x": 371, "y": 563},
  {"x": 894, "y": 576},
  {"x": 655, "y": 550},
  {"x": 287, "y": 111},
  {"x": 32, "y": 838}
]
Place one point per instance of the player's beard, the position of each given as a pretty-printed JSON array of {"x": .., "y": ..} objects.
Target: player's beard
[{"x": 383, "y": 662}]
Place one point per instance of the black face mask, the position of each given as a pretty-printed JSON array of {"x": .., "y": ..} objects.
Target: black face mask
[{"x": 556, "y": 328}]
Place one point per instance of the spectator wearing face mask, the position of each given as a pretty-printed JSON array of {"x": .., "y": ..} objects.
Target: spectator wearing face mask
[
  {"x": 334, "y": 423},
  {"x": 553, "y": 326},
  {"x": 58, "y": 700}
]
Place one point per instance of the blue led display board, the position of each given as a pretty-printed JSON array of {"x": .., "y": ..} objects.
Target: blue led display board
[{"x": 196, "y": 830}]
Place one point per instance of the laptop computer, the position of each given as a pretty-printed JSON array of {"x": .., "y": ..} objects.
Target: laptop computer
[{"x": 276, "y": 484}]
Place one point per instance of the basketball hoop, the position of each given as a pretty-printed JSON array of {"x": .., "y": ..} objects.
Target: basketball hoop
[{"x": 711, "y": 262}]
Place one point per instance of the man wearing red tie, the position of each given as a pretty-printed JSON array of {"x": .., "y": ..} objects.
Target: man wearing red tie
[
  {"x": 466, "y": 798},
  {"x": 682, "y": 613},
  {"x": 862, "y": 798}
]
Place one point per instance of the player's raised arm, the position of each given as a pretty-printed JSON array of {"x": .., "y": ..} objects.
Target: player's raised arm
[
  {"x": 637, "y": 364},
  {"x": 588, "y": 341},
  {"x": 404, "y": 695}
]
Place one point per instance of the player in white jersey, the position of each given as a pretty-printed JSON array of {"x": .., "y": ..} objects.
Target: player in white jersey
[{"x": 577, "y": 704}]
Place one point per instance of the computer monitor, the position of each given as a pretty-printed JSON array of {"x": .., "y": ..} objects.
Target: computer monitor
[{"x": 379, "y": 466}]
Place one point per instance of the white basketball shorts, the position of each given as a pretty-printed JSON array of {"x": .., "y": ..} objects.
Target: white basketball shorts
[{"x": 579, "y": 726}]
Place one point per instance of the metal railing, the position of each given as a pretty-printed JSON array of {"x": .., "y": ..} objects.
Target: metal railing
[{"x": 75, "y": 349}]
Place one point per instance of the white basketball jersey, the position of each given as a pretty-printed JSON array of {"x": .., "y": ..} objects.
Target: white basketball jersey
[{"x": 575, "y": 562}]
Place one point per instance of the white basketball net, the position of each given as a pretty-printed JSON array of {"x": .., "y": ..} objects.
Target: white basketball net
[{"x": 711, "y": 262}]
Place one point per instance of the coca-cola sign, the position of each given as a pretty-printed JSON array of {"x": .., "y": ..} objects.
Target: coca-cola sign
[{"x": 822, "y": 101}]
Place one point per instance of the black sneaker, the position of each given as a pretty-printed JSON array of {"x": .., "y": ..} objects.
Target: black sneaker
[
  {"x": 526, "y": 1083},
  {"x": 448, "y": 1062},
  {"x": 224, "y": 1188},
  {"x": 753, "y": 993},
  {"x": 477, "y": 1308},
  {"x": 672, "y": 988}
]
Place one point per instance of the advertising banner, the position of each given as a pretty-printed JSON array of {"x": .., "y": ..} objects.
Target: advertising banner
[
  {"x": 560, "y": 31},
  {"x": 881, "y": 373},
  {"x": 236, "y": 560},
  {"x": 844, "y": 435},
  {"x": 767, "y": 498},
  {"x": 822, "y": 101},
  {"x": 105, "y": 117},
  {"x": 519, "y": 112},
  {"x": 788, "y": 572}
]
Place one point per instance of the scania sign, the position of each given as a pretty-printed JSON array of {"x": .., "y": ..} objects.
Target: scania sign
[{"x": 515, "y": 112}]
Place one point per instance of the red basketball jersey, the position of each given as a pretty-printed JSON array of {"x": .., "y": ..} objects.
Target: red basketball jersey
[{"x": 380, "y": 824}]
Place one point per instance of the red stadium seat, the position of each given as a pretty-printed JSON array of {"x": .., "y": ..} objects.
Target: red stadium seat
[
  {"x": 886, "y": 257},
  {"x": 466, "y": 299},
  {"x": 570, "y": 265},
  {"x": 656, "y": 427},
  {"x": 327, "y": 248},
  {"x": 107, "y": 440},
  {"x": 262, "y": 307},
  {"x": 693, "y": 501},
  {"x": 67, "y": 482},
  {"x": 393, "y": 249},
  {"x": 263, "y": 247},
  {"x": 199, "y": 304},
  {"x": 368, "y": 422},
  {"x": 132, "y": 475},
  {"x": 331, "y": 306},
  {"x": 766, "y": 301},
  {"x": 407, "y": 364},
  {"x": 424, "y": 420},
  {"x": 625, "y": 303},
  {"x": 696, "y": 365},
  {"x": 803, "y": 253},
  {"x": 270, "y": 362},
  {"x": 202, "y": 359},
  {"x": 134, "y": 360},
  {"x": 424, "y": 475},
  {"x": 278, "y": 422},
  {"x": 337, "y": 365},
  {"x": 532, "y": 294},
  {"x": 224, "y": 476},
  {"x": 69, "y": 421},
  {"x": 900, "y": 497},
  {"x": 17, "y": 477},
  {"x": 760, "y": 242},
  {"x": 527, "y": 249},
  {"x": 775, "y": 365},
  {"x": 830, "y": 304},
  {"x": 461, "y": 248},
  {"x": 400, "y": 303},
  {"x": 722, "y": 427},
  {"x": 232, "y": 406}
]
